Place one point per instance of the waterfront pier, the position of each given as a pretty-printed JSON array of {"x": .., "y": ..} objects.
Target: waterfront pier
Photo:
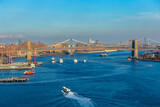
[{"x": 16, "y": 79}]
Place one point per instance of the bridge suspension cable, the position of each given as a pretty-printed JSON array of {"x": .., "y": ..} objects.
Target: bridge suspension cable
[
  {"x": 152, "y": 40},
  {"x": 68, "y": 41},
  {"x": 61, "y": 42},
  {"x": 148, "y": 39},
  {"x": 140, "y": 39},
  {"x": 78, "y": 41}
]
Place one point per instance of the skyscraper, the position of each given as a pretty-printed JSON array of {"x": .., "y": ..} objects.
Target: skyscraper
[{"x": 19, "y": 41}]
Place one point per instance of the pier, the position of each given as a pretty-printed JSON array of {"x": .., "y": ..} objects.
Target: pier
[
  {"x": 15, "y": 68},
  {"x": 17, "y": 79},
  {"x": 8, "y": 65}
]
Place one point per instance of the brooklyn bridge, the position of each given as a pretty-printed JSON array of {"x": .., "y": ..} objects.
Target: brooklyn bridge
[{"x": 72, "y": 45}]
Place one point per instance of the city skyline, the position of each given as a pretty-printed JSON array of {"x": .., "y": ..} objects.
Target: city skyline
[{"x": 108, "y": 21}]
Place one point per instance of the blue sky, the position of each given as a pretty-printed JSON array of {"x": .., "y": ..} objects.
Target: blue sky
[{"x": 108, "y": 21}]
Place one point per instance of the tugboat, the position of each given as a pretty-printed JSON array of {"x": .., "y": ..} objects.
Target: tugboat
[
  {"x": 103, "y": 55},
  {"x": 65, "y": 90},
  {"x": 29, "y": 72}
]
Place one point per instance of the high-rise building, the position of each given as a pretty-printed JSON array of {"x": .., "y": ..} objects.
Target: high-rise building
[
  {"x": 19, "y": 41},
  {"x": 97, "y": 41},
  {"x": 16, "y": 43},
  {"x": 90, "y": 41}
]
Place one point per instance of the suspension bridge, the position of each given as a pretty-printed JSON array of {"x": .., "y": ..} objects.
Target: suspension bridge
[
  {"x": 79, "y": 46},
  {"x": 73, "y": 45}
]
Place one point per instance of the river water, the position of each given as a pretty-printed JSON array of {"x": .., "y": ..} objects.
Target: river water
[{"x": 100, "y": 82}]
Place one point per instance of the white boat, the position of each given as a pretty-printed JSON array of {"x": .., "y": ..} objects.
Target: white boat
[
  {"x": 84, "y": 61},
  {"x": 52, "y": 58},
  {"x": 75, "y": 60},
  {"x": 61, "y": 60},
  {"x": 53, "y": 61},
  {"x": 65, "y": 90},
  {"x": 33, "y": 65},
  {"x": 103, "y": 55}
]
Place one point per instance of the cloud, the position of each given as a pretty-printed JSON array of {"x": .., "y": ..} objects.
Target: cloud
[
  {"x": 140, "y": 16},
  {"x": 150, "y": 15},
  {"x": 11, "y": 36}
]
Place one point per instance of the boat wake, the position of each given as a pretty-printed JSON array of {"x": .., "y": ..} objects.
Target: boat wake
[{"x": 78, "y": 99}]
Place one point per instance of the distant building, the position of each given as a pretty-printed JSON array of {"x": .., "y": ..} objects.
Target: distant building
[
  {"x": 97, "y": 41},
  {"x": 12, "y": 42},
  {"x": 88, "y": 45},
  {"x": 90, "y": 41},
  {"x": 79, "y": 44},
  {"x": 16, "y": 43},
  {"x": 2, "y": 46},
  {"x": 61, "y": 45},
  {"x": 19, "y": 41}
]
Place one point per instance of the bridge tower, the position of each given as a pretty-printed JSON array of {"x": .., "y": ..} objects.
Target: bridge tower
[
  {"x": 145, "y": 41},
  {"x": 71, "y": 42},
  {"x": 2, "y": 56},
  {"x": 29, "y": 51},
  {"x": 135, "y": 49}
]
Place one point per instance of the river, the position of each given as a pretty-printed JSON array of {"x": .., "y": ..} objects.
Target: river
[{"x": 112, "y": 81}]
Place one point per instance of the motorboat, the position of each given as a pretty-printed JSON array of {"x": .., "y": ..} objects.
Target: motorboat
[
  {"x": 52, "y": 58},
  {"x": 53, "y": 61},
  {"x": 33, "y": 65},
  {"x": 66, "y": 90},
  {"x": 29, "y": 72},
  {"x": 75, "y": 60},
  {"x": 61, "y": 60},
  {"x": 103, "y": 55}
]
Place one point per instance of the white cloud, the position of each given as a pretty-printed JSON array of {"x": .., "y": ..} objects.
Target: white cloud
[
  {"x": 140, "y": 16},
  {"x": 11, "y": 36}
]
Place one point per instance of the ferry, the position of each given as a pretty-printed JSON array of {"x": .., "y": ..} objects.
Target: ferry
[
  {"x": 103, "y": 55},
  {"x": 28, "y": 72}
]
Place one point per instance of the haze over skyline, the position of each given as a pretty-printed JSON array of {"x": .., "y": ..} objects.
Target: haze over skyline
[{"x": 108, "y": 21}]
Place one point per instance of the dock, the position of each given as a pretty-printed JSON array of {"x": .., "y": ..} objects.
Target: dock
[
  {"x": 38, "y": 63},
  {"x": 17, "y": 79},
  {"x": 18, "y": 66},
  {"x": 15, "y": 66}
]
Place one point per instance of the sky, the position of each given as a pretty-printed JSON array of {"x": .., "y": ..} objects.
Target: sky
[{"x": 109, "y": 21}]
